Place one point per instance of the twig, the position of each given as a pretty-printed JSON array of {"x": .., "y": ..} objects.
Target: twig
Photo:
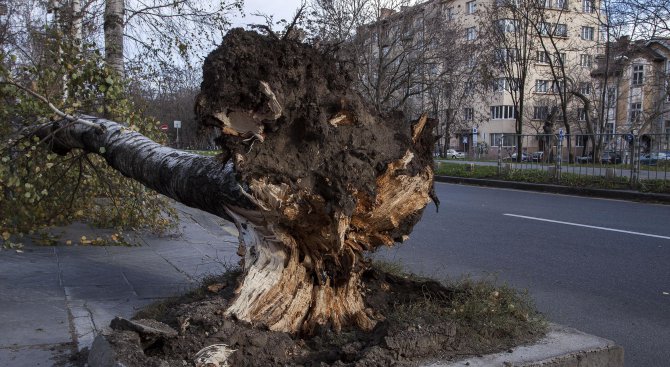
[
  {"x": 60, "y": 113},
  {"x": 296, "y": 18}
]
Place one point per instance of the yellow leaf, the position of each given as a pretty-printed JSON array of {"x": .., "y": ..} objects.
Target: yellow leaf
[
  {"x": 5, "y": 235},
  {"x": 83, "y": 238},
  {"x": 68, "y": 242}
]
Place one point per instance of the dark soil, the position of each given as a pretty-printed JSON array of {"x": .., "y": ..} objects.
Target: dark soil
[
  {"x": 302, "y": 149},
  {"x": 424, "y": 321}
]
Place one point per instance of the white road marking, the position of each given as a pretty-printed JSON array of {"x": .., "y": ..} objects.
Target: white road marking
[{"x": 587, "y": 226}]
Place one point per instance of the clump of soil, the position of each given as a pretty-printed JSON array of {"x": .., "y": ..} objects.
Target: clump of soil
[
  {"x": 302, "y": 148},
  {"x": 424, "y": 320}
]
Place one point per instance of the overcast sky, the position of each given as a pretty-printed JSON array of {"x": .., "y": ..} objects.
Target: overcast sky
[{"x": 278, "y": 8}]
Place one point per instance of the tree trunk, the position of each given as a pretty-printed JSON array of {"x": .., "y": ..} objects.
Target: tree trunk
[
  {"x": 114, "y": 35},
  {"x": 310, "y": 176}
]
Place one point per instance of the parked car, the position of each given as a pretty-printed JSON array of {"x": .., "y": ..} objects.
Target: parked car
[
  {"x": 537, "y": 156},
  {"x": 454, "y": 154},
  {"x": 524, "y": 157},
  {"x": 609, "y": 157},
  {"x": 650, "y": 159}
]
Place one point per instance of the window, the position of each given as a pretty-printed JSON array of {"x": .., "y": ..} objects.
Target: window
[
  {"x": 611, "y": 97},
  {"x": 638, "y": 74},
  {"x": 471, "y": 7},
  {"x": 581, "y": 114},
  {"x": 587, "y": 6},
  {"x": 544, "y": 28},
  {"x": 585, "y": 88},
  {"x": 507, "y": 25},
  {"x": 450, "y": 13},
  {"x": 587, "y": 33},
  {"x": 468, "y": 114},
  {"x": 556, "y": 86},
  {"x": 470, "y": 33},
  {"x": 503, "y": 112},
  {"x": 560, "y": 4},
  {"x": 635, "y": 111},
  {"x": 543, "y": 57},
  {"x": 544, "y": 4},
  {"x": 511, "y": 3},
  {"x": 585, "y": 60},
  {"x": 561, "y": 30},
  {"x": 540, "y": 112},
  {"x": 507, "y": 140},
  {"x": 505, "y": 84},
  {"x": 559, "y": 58},
  {"x": 541, "y": 86},
  {"x": 503, "y": 55},
  {"x": 580, "y": 140},
  {"x": 499, "y": 84}
]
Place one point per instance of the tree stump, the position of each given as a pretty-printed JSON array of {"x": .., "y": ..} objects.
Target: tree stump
[{"x": 311, "y": 175}]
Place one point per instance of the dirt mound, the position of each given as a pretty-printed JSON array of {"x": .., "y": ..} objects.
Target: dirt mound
[{"x": 425, "y": 320}]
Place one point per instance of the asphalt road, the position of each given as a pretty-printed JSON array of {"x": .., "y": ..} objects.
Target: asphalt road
[{"x": 601, "y": 266}]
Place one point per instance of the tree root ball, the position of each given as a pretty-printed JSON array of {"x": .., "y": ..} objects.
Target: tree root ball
[
  {"x": 304, "y": 147},
  {"x": 331, "y": 178}
]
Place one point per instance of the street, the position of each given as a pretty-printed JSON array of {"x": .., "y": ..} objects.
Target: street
[{"x": 597, "y": 265}]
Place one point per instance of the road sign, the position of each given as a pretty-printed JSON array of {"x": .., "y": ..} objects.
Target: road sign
[
  {"x": 177, "y": 124},
  {"x": 164, "y": 127},
  {"x": 474, "y": 130},
  {"x": 561, "y": 134}
]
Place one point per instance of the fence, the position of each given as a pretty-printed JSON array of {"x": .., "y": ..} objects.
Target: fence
[{"x": 614, "y": 157}]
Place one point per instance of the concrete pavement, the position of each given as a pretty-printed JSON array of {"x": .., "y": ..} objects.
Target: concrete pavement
[{"x": 53, "y": 300}]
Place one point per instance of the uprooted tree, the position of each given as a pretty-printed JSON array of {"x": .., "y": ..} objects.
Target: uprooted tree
[{"x": 311, "y": 176}]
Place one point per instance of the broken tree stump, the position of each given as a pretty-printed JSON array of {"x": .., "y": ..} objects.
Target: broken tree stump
[{"x": 312, "y": 177}]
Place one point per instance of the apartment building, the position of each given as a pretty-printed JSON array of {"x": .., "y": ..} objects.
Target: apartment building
[
  {"x": 518, "y": 76},
  {"x": 635, "y": 76}
]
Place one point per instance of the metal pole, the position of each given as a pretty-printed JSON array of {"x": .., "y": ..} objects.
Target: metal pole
[
  {"x": 560, "y": 158},
  {"x": 635, "y": 156},
  {"x": 499, "y": 157}
]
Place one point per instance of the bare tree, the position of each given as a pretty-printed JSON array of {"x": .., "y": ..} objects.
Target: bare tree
[{"x": 508, "y": 28}]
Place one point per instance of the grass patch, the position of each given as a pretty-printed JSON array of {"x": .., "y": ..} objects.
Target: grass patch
[{"x": 485, "y": 311}]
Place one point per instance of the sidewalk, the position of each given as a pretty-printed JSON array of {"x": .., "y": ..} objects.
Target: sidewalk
[{"x": 53, "y": 300}]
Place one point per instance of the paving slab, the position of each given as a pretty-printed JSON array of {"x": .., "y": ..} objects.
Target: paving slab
[{"x": 55, "y": 300}]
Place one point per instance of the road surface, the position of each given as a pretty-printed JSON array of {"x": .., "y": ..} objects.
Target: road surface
[{"x": 601, "y": 266}]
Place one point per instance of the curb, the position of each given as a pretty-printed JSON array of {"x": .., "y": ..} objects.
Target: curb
[
  {"x": 561, "y": 347},
  {"x": 559, "y": 189}
]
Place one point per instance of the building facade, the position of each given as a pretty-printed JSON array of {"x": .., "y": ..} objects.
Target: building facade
[{"x": 533, "y": 67}]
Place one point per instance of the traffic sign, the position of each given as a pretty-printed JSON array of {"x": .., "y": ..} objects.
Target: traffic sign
[
  {"x": 164, "y": 127},
  {"x": 177, "y": 124},
  {"x": 561, "y": 134}
]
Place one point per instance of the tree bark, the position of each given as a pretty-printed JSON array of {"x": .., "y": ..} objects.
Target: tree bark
[{"x": 114, "y": 35}]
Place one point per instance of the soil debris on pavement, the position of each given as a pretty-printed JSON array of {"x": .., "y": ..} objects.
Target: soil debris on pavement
[{"x": 424, "y": 320}]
